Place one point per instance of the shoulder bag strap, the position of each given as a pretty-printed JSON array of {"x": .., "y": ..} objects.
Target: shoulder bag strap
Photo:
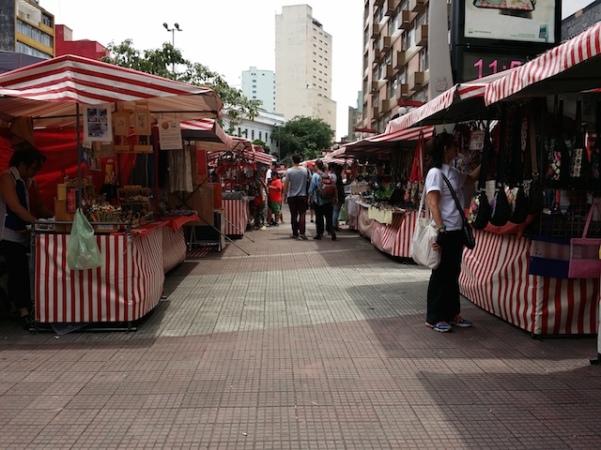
[{"x": 446, "y": 180}]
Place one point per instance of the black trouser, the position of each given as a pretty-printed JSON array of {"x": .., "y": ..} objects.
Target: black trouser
[
  {"x": 298, "y": 210},
  {"x": 17, "y": 267},
  {"x": 324, "y": 212},
  {"x": 443, "y": 289}
]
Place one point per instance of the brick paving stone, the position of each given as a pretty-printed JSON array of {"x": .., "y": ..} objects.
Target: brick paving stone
[{"x": 301, "y": 345}]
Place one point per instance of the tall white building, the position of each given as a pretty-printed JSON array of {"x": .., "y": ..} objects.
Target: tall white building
[
  {"x": 260, "y": 85},
  {"x": 303, "y": 65}
]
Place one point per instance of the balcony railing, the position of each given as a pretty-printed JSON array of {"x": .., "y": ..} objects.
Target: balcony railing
[
  {"x": 421, "y": 35},
  {"x": 418, "y": 6}
]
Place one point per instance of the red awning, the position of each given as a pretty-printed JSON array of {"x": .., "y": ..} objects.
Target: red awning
[
  {"x": 50, "y": 90},
  {"x": 207, "y": 134},
  {"x": 462, "y": 102},
  {"x": 386, "y": 141},
  {"x": 570, "y": 67}
]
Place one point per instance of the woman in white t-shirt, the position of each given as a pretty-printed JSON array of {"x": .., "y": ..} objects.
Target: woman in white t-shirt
[{"x": 444, "y": 307}]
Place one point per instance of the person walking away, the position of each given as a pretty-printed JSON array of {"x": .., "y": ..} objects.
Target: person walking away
[
  {"x": 341, "y": 197},
  {"x": 296, "y": 190},
  {"x": 275, "y": 197},
  {"x": 443, "y": 308},
  {"x": 322, "y": 193},
  {"x": 268, "y": 175},
  {"x": 311, "y": 169},
  {"x": 15, "y": 210}
]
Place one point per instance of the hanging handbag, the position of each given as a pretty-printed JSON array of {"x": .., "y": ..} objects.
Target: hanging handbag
[
  {"x": 579, "y": 162},
  {"x": 549, "y": 255},
  {"x": 469, "y": 240},
  {"x": 416, "y": 175},
  {"x": 501, "y": 210},
  {"x": 424, "y": 236},
  {"x": 536, "y": 193},
  {"x": 584, "y": 253},
  {"x": 480, "y": 206},
  {"x": 518, "y": 146},
  {"x": 558, "y": 171}
]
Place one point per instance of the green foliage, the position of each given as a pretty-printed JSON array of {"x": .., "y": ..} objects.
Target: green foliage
[
  {"x": 163, "y": 61},
  {"x": 263, "y": 144},
  {"x": 305, "y": 136}
]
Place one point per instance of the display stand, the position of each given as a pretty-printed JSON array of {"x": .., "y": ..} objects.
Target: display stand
[
  {"x": 495, "y": 277},
  {"x": 125, "y": 288}
]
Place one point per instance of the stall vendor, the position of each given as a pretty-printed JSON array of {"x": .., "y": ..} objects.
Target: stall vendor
[{"x": 15, "y": 184}]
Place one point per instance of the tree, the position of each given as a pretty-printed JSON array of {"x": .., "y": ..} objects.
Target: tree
[
  {"x": 161, "y": 62},
  {"x": 303, "y": 135},
  {"x": 262, "y": 144}
]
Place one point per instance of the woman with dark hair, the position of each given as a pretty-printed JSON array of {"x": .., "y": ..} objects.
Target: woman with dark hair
[
  {"x": 15, "y": 215},
  {"x": 444, "y": 307}
]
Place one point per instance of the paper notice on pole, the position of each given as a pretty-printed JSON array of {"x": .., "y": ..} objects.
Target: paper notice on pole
[{"x": 170, "y": 134}]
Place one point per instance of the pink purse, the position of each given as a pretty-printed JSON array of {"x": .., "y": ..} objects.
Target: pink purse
[{"x": 584, "y": 253}]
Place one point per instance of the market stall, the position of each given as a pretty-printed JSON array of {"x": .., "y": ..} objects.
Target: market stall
[
  {"x": 526, "y": 270},
  {"x": 386, "y": 184},
  {"x": 106, "y": 104}
]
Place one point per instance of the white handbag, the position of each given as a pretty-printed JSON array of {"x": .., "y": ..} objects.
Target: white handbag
[{"x": 424, "y": 236}]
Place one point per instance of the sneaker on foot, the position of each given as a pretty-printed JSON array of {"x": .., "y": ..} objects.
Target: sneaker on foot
[
  {"x": 303, "y": 237},
  {"x": 441, "y": 327},
  {"x": 334, "y": 236},
  {"x": 460, "y": 322},
  {"x": 317, "y": 237},
  {"x": 294, "y": 236}
]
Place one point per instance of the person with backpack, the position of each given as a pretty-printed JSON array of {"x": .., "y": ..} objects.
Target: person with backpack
[{"x": 323, "y": 194}]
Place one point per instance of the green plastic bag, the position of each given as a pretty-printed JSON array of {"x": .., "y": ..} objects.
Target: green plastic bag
[
  {"x": 343, "y": 215},
  {"x": 82, "y": 250}
]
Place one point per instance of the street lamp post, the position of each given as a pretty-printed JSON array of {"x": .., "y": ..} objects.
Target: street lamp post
[{"x": 172, "y": 30}]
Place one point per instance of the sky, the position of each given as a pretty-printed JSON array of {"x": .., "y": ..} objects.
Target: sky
[{"x": 230, "y": 36}]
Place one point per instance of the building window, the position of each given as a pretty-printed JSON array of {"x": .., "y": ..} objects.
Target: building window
[
  {"x": 35, "y": 34},
  {"x": 252, "y": 135},
  {"x": 423, "y": 59},
  {"x": 239, "y": 131},
  {"x": 260, "y": 135}
]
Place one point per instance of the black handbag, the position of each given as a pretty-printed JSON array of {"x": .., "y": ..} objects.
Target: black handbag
[
  {"x": 480, "y": 207},
  {"x": 469, "y": 240},
  {"x": 518, "y": 146},
  {"x": 536, "y": 193},
  {"x": 501, "y": 210}
]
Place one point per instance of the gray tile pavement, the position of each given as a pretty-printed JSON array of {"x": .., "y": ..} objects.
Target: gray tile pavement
[{"x": 301, "y": 345}]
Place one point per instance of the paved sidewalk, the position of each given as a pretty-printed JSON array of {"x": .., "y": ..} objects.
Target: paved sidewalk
[{"x": 301, "y": 345}]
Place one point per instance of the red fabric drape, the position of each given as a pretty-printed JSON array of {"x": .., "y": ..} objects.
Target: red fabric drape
[{"x": 60, "y": 147}]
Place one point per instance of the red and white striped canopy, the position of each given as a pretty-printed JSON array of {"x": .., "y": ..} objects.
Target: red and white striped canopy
[
  {"x": 387, "y": 141},
  {"x": 207, "y": 134},
  {"x": 51, "y": 89},
  {"x": 573, "y": 66},
  {"x": 463, "y": 101},
  {"x": 247, "y": 150}
]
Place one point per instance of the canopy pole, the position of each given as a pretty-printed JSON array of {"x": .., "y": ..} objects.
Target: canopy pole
[{"x": 79, "y": 157}]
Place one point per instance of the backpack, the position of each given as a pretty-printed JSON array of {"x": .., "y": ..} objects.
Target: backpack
[{"x": 327, "y": 188}]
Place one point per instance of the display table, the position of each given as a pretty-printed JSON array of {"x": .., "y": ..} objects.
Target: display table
[
  {"x": 235, "y": 217},
  {"x": 365, "y": 225},
  {"x": 395, "y": 238},
  {"x": 174, "y": 240},
  {"x": 389, "y": 231},
  {"x": 495, "y": 277},
  {"x": 124, "y": 289},
  {"x": 352, "y": 209}
]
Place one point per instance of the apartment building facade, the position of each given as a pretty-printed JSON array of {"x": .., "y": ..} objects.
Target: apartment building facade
[
  {"x": 260, "y": 85},
  {"x": 303, "y": 66},
  {"x": 395, "y": 59},
  {"x": 26, "y": 28}
]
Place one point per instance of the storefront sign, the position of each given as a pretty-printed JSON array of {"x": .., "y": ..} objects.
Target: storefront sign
[{"x": 170, "y": 134}]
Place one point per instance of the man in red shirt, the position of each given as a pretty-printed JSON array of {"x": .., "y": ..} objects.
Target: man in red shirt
[{"x": 275, "y": 197}]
